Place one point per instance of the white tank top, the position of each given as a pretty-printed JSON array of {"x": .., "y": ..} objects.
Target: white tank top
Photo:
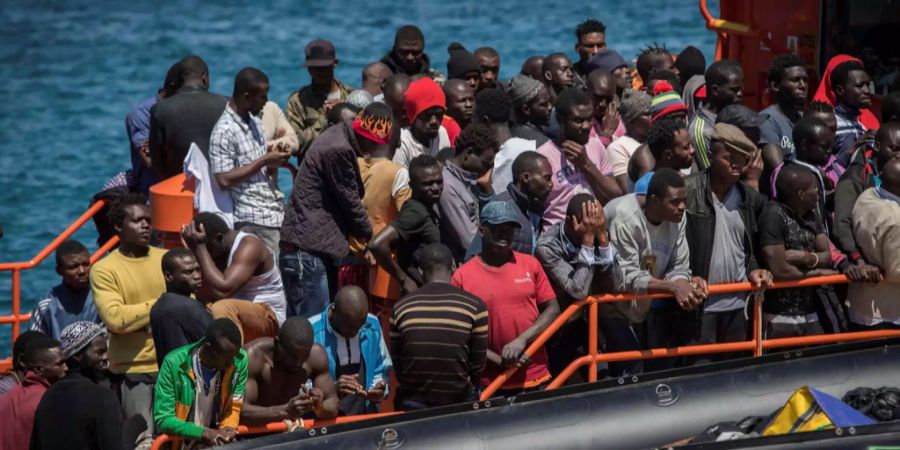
[{"x": 266, "y": 288}]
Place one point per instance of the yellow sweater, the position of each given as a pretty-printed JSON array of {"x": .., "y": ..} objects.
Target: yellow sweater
[{"x": 124, "y": 290}]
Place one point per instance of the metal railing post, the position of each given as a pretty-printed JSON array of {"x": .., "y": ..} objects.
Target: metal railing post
[
  {"x": 593, "y": 332},
  {"x": 16, "y": 302}
]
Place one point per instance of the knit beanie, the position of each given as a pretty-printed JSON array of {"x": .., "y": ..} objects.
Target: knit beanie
[
  {"x": 79, "y": 335},
  {"x": 523, "y": 89},
  {"x": 422, "y": 94},
  {"x": 607, "y": 60},
  {"x": 461, "y": 62},
  {"x": 634, "y": 104},
  {"x": 665, "y": 101}
]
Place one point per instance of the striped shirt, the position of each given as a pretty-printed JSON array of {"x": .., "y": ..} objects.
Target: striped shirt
[
  {"x": 439, "y": 343},
  {"x": 700, "y": 131}
]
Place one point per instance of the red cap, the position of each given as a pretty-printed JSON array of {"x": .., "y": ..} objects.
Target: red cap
[{"x": 423, "y": 94}]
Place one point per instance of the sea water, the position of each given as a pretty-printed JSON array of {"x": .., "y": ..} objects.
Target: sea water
[{"x": 70, "y": 71}]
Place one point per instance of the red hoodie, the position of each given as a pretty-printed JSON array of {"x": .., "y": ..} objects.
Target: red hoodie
[{"x": 825, "y": 93}]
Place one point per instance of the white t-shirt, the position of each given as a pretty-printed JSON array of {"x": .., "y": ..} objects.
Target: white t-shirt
[
  {"x": 509, "y": 151},
  {"x": 410, "y": 147},
  {"x": 619, "y": 153}
]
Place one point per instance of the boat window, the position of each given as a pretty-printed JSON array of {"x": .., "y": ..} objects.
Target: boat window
[{"x": 866, "y": 29}]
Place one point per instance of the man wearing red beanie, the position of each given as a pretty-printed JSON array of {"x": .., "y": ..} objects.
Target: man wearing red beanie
[{"x": 425, "y": 107}]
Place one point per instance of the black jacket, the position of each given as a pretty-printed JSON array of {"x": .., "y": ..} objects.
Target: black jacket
[
  {"x": 77, "y": 413},
  {"x": 856, "y": 179},
  {"x": 326, "y": 202},
  {"x": 425, "y": 69},
  {"x": 701, "y": 222},
  {"x": 175, "y": 122}
]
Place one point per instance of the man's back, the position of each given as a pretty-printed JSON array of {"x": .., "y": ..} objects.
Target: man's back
[
  {"x": 439, "y": 339},
  {"x": 18, "y": 407},
  {"x": 386, "y": 186},
  {"x": 76, "y": 413},
  {"x": 875, "y": 227},
  {"x": 176, "y": 321},
  {"x": 176, "y": 122}
]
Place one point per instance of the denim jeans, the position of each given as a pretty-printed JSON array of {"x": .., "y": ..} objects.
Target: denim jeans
[{"x": 305, "y": 278}]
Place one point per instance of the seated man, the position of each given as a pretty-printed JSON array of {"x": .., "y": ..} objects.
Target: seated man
[
  {"x": 70, "y": 301},
  {"x": 577, "y": 258},
  {"x": 238, "y": 265},
  {"x": 45, "y": 365},
  {"x": 358, "y": 359},
  {"x": 654, "y": 258},
  {"x": 794, "y": 246},
  {"x": 415, "y": 225},
  {"x": 78, "y": 412},
  {"x": 217, "y": 365},
  {"x": 279, "y": 369},
  {"x": 521, "y": 304},
  {"x": 439, "y": 337},
  {"x": 177, "y": 319},
  {"x": 875, "y": 219}
]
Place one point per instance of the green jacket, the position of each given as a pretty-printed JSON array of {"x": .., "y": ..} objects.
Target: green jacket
[
  {"x": 174, "y": 394},
  {"x": 306, "y": 113}
]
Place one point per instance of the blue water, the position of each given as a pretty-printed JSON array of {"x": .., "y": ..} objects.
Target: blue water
[{"x": 71, "y": 70}]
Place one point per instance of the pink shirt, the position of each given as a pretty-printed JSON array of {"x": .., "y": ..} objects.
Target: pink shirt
[{"x": 567, "y": 180}]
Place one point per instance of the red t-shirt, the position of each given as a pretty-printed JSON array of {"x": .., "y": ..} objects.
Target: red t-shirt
[
  {"x": 452, "y": 126},
  {"x": 512, "y": 293}
]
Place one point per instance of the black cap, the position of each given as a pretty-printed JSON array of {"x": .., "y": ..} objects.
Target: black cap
[{"x": 319, "y": 53}]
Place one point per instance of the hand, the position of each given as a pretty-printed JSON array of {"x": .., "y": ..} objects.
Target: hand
[
  {"x": 513, "y": 353},
  {"x": 700, "y": 289},
  {"x": 863, "y": 273},
  {"x": 754, "y": 169},
  {"x": 611, "y": 119},
  {"x": 276, "y": 154},
  {"x": 760, "y": 279},
  {"x": 576, "y": 153},
  {"x": 484, "y": 181},
  {"x": 867, "y": 136},
  {"x": 494, "y": 358},
  {"x": 349, "y": 385},
  {"x": 144, "y": 153},
  {"x": 594, "y": 217},
  {"x": 330, "y": 104},
  {"x": 684, "y": 294},
  {"x": 214, "y": 438},
  {"x": 193, "y": 235},
  {"x": 230, "y": 434},
  {"x": 370, "y": 258},
  {"x": 301, "y": 404},
  {"x": 376, "y": 394},
  {"x": 582, "y": 229},
  {"x": 408, "y": 285}
]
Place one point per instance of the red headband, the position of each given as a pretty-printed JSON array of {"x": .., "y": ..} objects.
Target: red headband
[{"x": 376, "y": 129}]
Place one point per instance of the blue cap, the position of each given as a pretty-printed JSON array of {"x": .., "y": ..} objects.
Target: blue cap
[
  {"x": 498, "y": 212},
  {"x": 608, "y": 60}
]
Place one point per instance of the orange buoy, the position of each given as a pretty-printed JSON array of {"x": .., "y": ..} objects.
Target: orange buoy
[{"x": 171, "y": 207}]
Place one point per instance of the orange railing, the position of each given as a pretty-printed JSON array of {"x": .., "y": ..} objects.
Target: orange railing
[
  {"x": 757, "y": 345},
  {"x": 724, "y": 28},
  {"x": 16, "y": 317}
]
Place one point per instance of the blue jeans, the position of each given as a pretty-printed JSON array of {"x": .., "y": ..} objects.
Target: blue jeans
[{"x": 305, "y": 278}]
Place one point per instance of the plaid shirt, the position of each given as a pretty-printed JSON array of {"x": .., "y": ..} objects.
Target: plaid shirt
[{"x": 235, "y": 143}]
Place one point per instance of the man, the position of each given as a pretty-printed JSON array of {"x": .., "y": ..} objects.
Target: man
[
  {"x": 890, "y": 107},
  {"x": 590, "y": 38},
  {"x": 70, "y": 301},
  {"x": 531, "y": 109},
  {"x": 408, "y": 54},
  {"x": 634, "y": 110},
  {"x": 308, "y": 106},
  {"x": 670, "y": 144},
  {"x": 520, "y": 302},
  {"x": 533, "y": 67},
  {"x": 812, "y": 140},
  {"x": 185, "y": 118},
  {"x": 493, "y": 109},
  {"x": 463, "y": 65},
  {"x": 460, "y": 107},
  {"x": 126, "y": 283},
  {"x": 237, "y": 265},
  {"x": 395, "y": 97},
  {"x": 177, "y": 319},
  {"x": 358, "y": 359},
  {"x": 558, "y": 74},
  {"x": 794, "y": 246},
  {"x": 863, "y": 173},
  {"x": 416, "y": 224},
  {"x": 137, "y": 125},
  {"x": 464, "y": 184},
  {"x": 438, "y": 337},
  {"x": 373, "y": 78},
  {"x": 17, "y": 372},
  {"x": 690, "y": 63},
  {"x": 288, "y": 377},
  {"x": 575, "y": 168},
  {"x": 666, "y": 103},
  {"x": 653, "y": 254},
  {"x": 489, "y": 60},
  {"x": 789, "y": 81},
  {"x": 425, "y": 108},
  {"x": 241, "y": 161},
  {"x": 724, "y": 86},
  {"x": 606, "y": 125},
  {"x": 611, "y": 62},
  {"x": 653, "y": 58},
  {"x": 577, "y": 258},
  {"x": 873, "y": 306},
  {"x": 77, "y": 412},
  {"x": 851, "y": 84},
  {"x": 326, "y": 208},
  {"x": 721, "y": 233},
  {"x": 45, "y": 365},
  {"x": 200, "y": 391}
]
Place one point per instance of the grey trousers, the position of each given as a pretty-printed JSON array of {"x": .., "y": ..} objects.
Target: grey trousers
[{"x": 136, "y": 395}]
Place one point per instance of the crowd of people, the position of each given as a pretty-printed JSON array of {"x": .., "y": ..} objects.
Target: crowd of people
[{"x": 438, "y": 224}]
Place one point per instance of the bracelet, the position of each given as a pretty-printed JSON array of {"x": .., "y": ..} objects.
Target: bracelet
[{"x": 816, "y": 263}]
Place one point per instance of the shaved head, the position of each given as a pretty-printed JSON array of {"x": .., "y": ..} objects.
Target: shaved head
[
  {"x": 297, "y": 332},
  {"x": 890, "y": 176},
  {"x": 351, "y": 308},
  {"x": 455, "y": 85},
  {"x": 534, "y": 68},
  {"x": 374, "y": 76}
]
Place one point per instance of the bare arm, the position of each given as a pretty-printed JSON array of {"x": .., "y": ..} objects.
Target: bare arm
[
  {"x": 252, "y": 414},
  {"x": 318, "y": 364},
  {"x": 381, "y": 246},
  {"x": 777, "y": 261},
  {"x": 242, "y": 266},
  {"x": 235, "y": 176}
]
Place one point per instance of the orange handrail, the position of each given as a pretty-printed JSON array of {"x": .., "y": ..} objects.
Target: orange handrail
[
  {"x": 278, "y": 427},
  {"x": 16, "y": 318},
  {"x": 756, "y": 345}
]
